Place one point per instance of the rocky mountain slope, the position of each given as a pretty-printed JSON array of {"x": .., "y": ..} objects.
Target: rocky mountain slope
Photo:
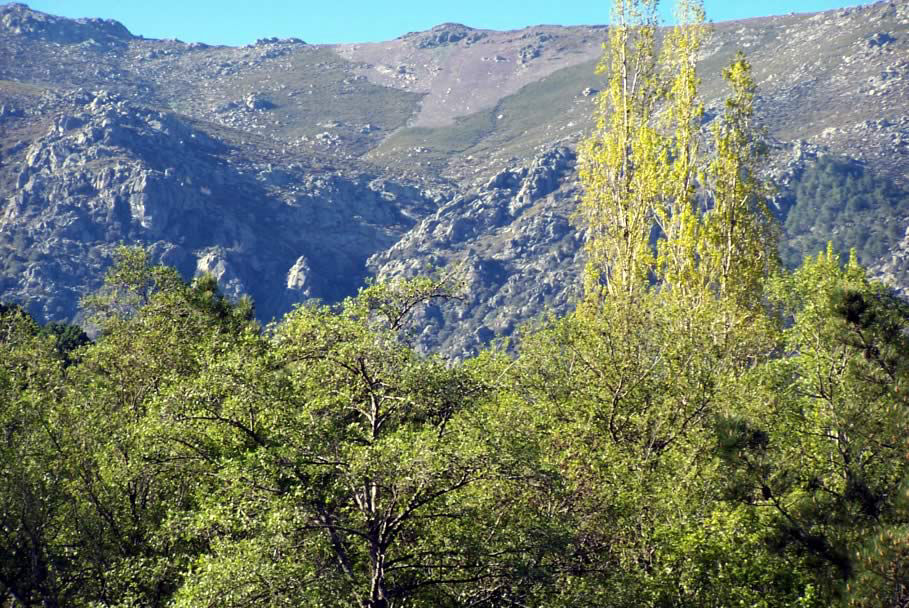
[{"x": 295, "y": 171}]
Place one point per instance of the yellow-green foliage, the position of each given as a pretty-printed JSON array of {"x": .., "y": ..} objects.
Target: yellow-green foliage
[
  {"x": 646, "y": 172},
  {"x": 623, "y": 163}
]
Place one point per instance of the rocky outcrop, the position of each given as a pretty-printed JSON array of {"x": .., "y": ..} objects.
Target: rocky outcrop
[
  {"x": 19, "y": 20},
  {"x": 894, "y": 269},
  {"x": 512, "y": 242},
  {"x": 106, "y": 172},
  {"x": 447, "y": 34}
]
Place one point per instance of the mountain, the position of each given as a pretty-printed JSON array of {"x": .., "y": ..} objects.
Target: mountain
[{"x": 295, "y": 171}]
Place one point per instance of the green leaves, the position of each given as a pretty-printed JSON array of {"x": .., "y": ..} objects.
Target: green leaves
[
  {"x": 660, "y": 207},
  {"x": 622, "y": 164},
  {"x": 338, "y": 457},
  {"x": 655, "y": 448},
  {"x": 828, "y": 469},
  {"x": 704, "y": 430}
]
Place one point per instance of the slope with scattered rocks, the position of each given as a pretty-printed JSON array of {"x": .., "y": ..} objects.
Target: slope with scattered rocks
[{"x": 294, "y": 171}]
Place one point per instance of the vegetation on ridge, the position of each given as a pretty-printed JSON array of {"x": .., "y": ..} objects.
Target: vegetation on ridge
[{"x": 843, "y": 201}]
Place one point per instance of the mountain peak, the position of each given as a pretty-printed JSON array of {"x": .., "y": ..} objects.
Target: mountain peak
[
  {"x": 451, "y": 26},
  {"x": 18, "y": 19},
  {"x": 445, "y": 34}
]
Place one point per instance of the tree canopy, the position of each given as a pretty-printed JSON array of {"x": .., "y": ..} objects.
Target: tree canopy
[{"x": 706, "y": 429}]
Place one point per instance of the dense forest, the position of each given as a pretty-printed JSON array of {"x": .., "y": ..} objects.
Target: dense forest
[
  {"x": 842, "y": 201},
  {"x": 706, "y": 429}
]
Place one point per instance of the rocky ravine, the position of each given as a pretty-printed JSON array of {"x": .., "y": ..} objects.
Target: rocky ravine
[
  {"x": 107, "y": 172},
  {"x": 294, "y": 171}
]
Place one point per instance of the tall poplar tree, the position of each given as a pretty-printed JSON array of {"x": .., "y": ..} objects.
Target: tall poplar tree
[
  {"x": 741, "y": 236},
  {"x": 623, "y": 162},
  {"x": 660, "y": 205}
]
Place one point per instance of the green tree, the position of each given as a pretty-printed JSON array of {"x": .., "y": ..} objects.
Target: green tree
[
  {"x": 624, "y": 162},
  {"x": 623, "y": 405},
  {"x": 67, "y": 338},
  {"x": 657, "y": 207},
  {"x": 740, "y": 233},
  {"x": 39, "y": 563},
  {"x": 123, "y": 482},
  {"x": 825, "y": 461},
  {"x": 845, "y": 202},
  {"x": 350, "y": 471},
  {"x": 680, "y": 244}
]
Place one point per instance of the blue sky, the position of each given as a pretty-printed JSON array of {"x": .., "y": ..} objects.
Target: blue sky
[{"x": 237, "y": 22}]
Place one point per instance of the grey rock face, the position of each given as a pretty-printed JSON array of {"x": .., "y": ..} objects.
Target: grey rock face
[
  {"x": 294, "y": 171},
  {"x": 216, "y": 262},
  {"x": 256, "y": 101},
  {"x": 299, "y": 278},
  {"x": 894, "y": 269},
  {"x": 106, "y": 172},
  {"x": 18, "y": 19},
  {"x": 446, "y": 34},
  {"x": 514, "y": 244}
]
